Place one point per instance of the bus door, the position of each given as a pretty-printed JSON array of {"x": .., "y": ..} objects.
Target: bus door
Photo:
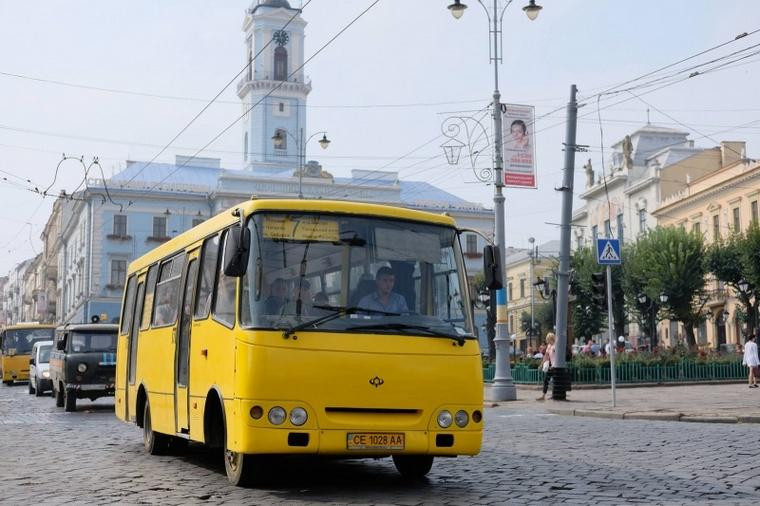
[
  {"x": 182, "y": 352},
  {"x": 133, "y": 336}
]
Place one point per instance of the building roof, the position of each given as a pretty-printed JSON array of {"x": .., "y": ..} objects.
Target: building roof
[
  {"x": 546, "y": 250},
  {"x": 168, "y": 173}
]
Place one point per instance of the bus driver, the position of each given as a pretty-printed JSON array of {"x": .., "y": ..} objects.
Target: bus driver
[{"x": 385, "y": 299}]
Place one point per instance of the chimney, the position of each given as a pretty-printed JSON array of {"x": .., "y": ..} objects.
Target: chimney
[{"x": 731, "y": 152}]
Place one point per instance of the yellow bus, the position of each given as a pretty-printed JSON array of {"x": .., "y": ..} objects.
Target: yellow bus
[
  {"x": 16, "y": 347},
  {"x": 304, "y": 327}
]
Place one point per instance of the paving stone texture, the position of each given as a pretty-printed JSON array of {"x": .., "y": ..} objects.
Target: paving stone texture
[{"x": 529, "y": 456}]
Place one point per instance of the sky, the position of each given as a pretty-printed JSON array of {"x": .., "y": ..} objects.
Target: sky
[{"x": 382, "y": 89}]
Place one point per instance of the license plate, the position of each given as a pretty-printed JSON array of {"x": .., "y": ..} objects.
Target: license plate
[{"x": 375, "y": 441}]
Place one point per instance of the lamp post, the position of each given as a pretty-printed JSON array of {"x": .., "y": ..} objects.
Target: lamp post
[
  {"x": 503, "y": 387},
  {"x": 279, "y": 139},
  {"x": 546, "y": 294},
  {"x": 532, "y": 255},
  {"x": 647, "y": 302}
]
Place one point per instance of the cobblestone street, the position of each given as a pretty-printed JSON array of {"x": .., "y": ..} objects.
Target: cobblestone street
[{"x": 53, "y": 457}]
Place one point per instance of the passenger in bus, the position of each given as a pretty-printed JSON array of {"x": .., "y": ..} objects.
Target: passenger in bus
[
  {"x": 277, "y": 297},
  {"x": 385, "y": 299},
  {"x": 300, "y": 301},
  {"x": 164, "y": 308}
]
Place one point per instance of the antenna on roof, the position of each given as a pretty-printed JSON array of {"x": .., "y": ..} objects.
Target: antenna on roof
[{"x": 648, "y": 123}]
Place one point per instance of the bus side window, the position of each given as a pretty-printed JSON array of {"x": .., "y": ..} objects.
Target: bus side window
[
  {"x": 224, "y": 301},
  {"x": 209, "y": 257},
  {"x": 166, "y": 299},
  {"x": 129, "y": 300},
  {"x": 150, "y": 288}
]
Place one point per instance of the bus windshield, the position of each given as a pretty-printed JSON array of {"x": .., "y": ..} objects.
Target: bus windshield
[
  {"x": 20, "y": 341},
  {"x": 394, "y": 275}
]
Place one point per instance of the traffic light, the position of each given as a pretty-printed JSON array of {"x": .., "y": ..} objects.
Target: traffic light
[{"x": 598, "y": 289}]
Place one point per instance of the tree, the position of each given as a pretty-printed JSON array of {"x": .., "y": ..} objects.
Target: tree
[
  {"x": 636, "y": 282},
  {"x": 750, "y": 255},
  {"x": 588, "y": 316},
  {"x": 672, "y": 261},
  {"x": 730, "y": 262},
  {"x": 543, "y": 315}
]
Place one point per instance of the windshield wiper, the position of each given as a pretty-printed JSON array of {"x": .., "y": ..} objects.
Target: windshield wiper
[
  {"x": 406, "y": 326},
  {"x": 337, "y": 312}
]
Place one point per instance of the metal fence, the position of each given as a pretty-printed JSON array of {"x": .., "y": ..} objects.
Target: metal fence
[{"x": 628, "y": 372}]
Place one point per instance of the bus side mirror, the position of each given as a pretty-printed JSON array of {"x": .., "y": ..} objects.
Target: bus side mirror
[
  {"x": 492, "y": 268},
  {"x": 31, "y": 361},
  {"x": 236, "y": 250}
]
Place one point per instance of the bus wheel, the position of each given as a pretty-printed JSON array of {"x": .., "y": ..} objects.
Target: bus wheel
[
  {"x": 155, "y": 443},
  {"x": 413, "y": 466},
  {"x": 243, "y": 470},
  {"x": 70, "y": 401},
  {"x": 7, "y": 382},
  {"x": 58, "y": 395}
]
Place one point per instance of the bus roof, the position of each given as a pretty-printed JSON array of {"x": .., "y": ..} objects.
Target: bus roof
[
  {"x": 30, "y": 325},
  {"x": 226, "y": 218}
]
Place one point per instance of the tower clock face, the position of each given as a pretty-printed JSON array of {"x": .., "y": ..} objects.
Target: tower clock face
[{"x": 281, "y": 37}]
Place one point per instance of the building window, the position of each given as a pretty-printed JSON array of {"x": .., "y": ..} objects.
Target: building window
[
  {"x": 716, "y": 227},
  {"x": 280, "y": 64},
  {"x": 197, "y": 221},
  {"x": 642, "y": 220},
  {"x": 509, "y": 291},
  {"x": 245, "y": 147},
  {"x": 753, "y": 211},
  {"x": 281, "y": 107},
  {"x": 580, "y": 242},
  {"x": 472, "y": 244},
  {"x": 159, "y": 226},
  {"x": 118, "y": 272},
  {"x": 696, "y": 228},
  {"x": 594, "y": 233},
  {"x": 120, "y": 225},
  {"x": 737, "y": 221},
  {"x": 522, "y": 288},
  {"x": 620, "y": 227},
  {"x": 282, "y": 139}
]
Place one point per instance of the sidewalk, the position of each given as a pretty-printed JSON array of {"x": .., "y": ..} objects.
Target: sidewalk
[{"x": 724, "y": 403}]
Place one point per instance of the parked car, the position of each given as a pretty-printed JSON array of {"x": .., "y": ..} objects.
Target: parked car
[
  {"x": 83, "y": 363},
  {"x": 39, "y": 368}
]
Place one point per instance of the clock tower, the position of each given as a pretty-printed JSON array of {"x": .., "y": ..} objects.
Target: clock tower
[{"x": 272, "y": 74}]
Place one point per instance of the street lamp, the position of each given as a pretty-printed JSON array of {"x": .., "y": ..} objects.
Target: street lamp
[
  {"x": 532, "y": 10},
  {"x": 532, "y": 254},
  {"x": 503, "y": 386},
  {"x": 664, "y": 297},
  {"x": 743, "y": 285},
  {"x": 649, "y": 304},
  {"x": 278, "y": 140}
]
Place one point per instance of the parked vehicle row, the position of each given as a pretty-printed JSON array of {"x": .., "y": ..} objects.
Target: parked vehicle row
[{"x": 73, "y": 361}]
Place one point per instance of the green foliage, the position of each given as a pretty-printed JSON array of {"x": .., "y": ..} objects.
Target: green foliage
[
  {"x": 672, "y": 261},
  {"x": 590, "y": 318}
]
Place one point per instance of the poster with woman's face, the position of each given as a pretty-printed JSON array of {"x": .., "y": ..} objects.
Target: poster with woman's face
[{"x": 519, "y": 151}]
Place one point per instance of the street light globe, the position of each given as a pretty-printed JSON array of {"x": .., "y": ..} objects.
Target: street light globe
[
  {"x": 642, "y": 297},
  {"x": 457, "y": 9},
  {"x": 743, "y": 285},
  {"x": 278, "y": 139},
  {"x": 531, "y": 10},
  {"x": 663, "y": 297},
  {"x": 324, "y": 141},
  {"x": 621, "y": 339}
]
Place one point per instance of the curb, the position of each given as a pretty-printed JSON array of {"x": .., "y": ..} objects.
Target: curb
[{"x": 654, "y": 416}]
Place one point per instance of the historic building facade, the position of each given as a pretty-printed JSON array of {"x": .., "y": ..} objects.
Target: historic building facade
[{"x": 717, "y": 205}]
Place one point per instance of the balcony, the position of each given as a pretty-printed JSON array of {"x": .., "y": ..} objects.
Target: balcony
[
  {"x": 119, "y": 237},
  {"x": 264, "y": 80},
  {"x": 154, "y": 238}
]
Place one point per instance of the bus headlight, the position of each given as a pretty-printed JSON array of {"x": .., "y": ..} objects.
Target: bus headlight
[
  {"x": 298, "y": 416},
  {"x": 276, "y": 415},
  {"x": 461, "y": 418},
  {"x": 82, "y": 367},
  {"x": 444, "y": 419}
]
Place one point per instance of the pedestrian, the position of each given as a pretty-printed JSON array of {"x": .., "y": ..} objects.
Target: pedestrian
[
  {"x": 595, "y": 348},
  {"x": 550, "y": 358},
  {"x": 751, "y": 360},
  {"x": 586, "y": 350}
]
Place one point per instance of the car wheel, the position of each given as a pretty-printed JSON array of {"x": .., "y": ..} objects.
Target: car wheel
[
  {"x": 58, "y": 396},
  {"x": 70, "y": 401},
  {"x": 155, "y": 443},
  {"x": 31, "y": 388},
  {"x": 38, "y": 391},
  {"x": 413, "y": 467}
]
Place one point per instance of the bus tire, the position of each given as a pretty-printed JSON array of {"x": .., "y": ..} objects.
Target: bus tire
[
  {"x": 70, "y": 401},
  {"x": 38, "y": 392},
  {"x": 58, "y": 396},
  {"x": 243, "y": 470},
  {"x": 155, "y": 443},
  {"x": 7, "y": 382},
  {"x": 413, "y": 467}
]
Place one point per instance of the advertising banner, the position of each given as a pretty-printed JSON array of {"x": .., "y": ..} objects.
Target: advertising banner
[{"x": 519, "y": 145}]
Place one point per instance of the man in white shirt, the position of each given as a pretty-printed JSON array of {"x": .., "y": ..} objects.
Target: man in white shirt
[{"x": 751, "y": 360}]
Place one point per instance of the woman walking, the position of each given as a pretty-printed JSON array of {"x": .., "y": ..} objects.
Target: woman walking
[
  {"x": 751, "y": 360},
  {"x": 547, "y": 364}
]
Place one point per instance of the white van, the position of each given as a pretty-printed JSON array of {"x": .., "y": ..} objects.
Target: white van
[{"x": 39, "y": 364}]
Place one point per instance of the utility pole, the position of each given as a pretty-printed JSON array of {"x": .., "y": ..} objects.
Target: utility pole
[
  {"x": 561, "y": 372},
  {"x": 531, "y": 240},
  {"x": 610, "y": 326}
]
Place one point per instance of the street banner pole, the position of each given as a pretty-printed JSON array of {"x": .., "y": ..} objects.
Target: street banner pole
[{"x": 610, "y": 325}]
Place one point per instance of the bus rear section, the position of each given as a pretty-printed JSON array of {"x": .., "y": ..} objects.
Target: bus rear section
[{"x": 16, "y": 343}]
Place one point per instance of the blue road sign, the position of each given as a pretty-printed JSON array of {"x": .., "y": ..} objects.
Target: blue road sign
[{"x": 608, "y": 251}]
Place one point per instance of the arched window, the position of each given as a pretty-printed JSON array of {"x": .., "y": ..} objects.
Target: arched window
[
  {"x": 280, "y": 64},
  {"x": 245, "y": 147}
]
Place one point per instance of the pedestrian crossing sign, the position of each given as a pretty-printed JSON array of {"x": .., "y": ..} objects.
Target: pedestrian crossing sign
[{"x": 608, "y": 251}]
